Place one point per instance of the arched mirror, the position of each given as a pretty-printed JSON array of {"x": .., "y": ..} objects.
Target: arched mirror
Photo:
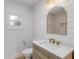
[{"x": 57, "y": 21}]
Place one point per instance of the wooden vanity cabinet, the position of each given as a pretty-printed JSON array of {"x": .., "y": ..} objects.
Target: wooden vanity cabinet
[
  {"x": 40, "y": 53},
  {"x": 70, "y": 56}
]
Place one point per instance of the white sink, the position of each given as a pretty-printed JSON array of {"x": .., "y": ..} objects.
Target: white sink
[{"x": 50, "y": 46}]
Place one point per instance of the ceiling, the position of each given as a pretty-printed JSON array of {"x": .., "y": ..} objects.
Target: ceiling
[{"x": 29, "y": 2}]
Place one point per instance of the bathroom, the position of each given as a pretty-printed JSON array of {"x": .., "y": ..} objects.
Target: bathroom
[{"x": 33, "y": 24}]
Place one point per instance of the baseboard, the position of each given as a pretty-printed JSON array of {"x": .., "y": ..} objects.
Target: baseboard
[{"x": 15, "y": 56}]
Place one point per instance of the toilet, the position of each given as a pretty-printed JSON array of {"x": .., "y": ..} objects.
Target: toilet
[{"x": 27, "y": 53}]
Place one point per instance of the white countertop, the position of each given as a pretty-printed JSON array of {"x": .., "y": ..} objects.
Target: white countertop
[{"x": 60, "y": 51}]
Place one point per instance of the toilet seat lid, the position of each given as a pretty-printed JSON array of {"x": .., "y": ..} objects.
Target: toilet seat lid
[{"x": 27, "y": 51}]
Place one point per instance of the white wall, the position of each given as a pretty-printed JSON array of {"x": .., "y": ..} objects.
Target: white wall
[
  {"x": 14, "y": 38},
  {"x": 40, "y": 21}
]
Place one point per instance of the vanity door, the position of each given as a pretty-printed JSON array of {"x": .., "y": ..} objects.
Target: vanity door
[
  {"x": 35, "y": 55},
  {"x": 39, "y": 53},
  {"x": 52, "y": 56}
]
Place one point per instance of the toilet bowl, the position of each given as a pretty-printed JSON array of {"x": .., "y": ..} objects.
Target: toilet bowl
[{"x": 27, "y": 53}]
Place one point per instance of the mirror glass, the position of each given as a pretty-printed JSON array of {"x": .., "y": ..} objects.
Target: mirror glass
[{"x": 57, "y": 21}]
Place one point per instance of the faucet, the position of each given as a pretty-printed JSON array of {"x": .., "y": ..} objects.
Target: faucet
[{"x": 53, "y": 41}]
